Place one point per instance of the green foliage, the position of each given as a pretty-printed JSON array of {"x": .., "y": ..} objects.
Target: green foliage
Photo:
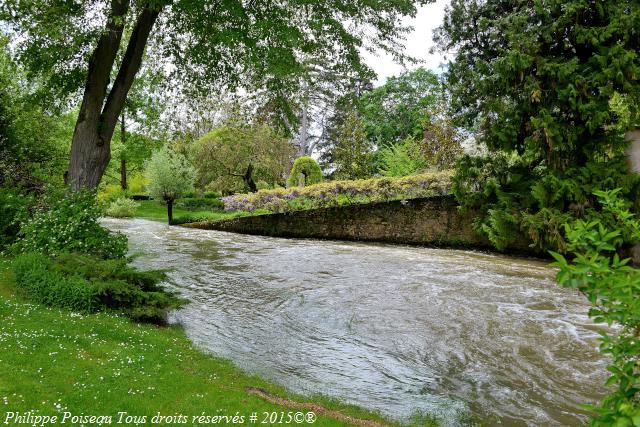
[
  {"x": 352, "y": 151},
  {"x": 87, "y": 284},
  {"x": 33, "y": 144},
  {"x": 233, "y": 157},
  {"x": 262, "y": 185},
  {"x": 441, "y": 142},
  {"x": 122, "y": 208},
  {"x": 401, "y": 159},
  {"x": 109, "y": 193},
  {"x": 540, "y": 77},
  {"x": 169, "y": 174},
  {"x": 549, "y": 88},
  {"x": 197, "y": 204},
  {"x": 14, "y": 209},
  {"x": 37, "y": 282},
  {"x": 397, "y": 109},
  {"x": 340, "y": 193},
  {"x": 211, "y": 195},
  {"x": 305, "y": 171},
  {"x": 613, "y": 287},
  {"x": 517, "y": 199},
  {"x": 242, "y": 44},
  {"x": 69, "y": 223}
]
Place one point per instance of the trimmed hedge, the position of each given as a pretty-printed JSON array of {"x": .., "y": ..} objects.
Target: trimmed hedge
[
  {"x": 308, "y": 167},
  {"x": 339, "y": 193},
  {"x": 199, "y": 204}
]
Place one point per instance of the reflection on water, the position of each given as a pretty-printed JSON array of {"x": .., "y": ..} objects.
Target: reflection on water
[{"x": 397, "y": 329}]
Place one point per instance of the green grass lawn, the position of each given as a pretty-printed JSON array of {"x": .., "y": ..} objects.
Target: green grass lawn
[
  {"x": 153, "y": 209},
  {"x": 54, "y": 361}
]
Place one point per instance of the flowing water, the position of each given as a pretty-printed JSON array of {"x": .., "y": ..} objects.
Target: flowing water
[{"x": 391, "y": 328}]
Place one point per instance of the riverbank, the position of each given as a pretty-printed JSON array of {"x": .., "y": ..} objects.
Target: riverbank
[
  {"x": 155, "y": 210},
  {"x": 56, "y": 361}
]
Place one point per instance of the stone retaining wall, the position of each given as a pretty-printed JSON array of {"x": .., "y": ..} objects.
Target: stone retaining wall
[{"x": 431, "y": 222}]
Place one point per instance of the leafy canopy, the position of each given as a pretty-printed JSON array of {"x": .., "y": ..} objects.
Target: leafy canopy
[
  {"x": 211, "y": 44},
  {"x": 398, "y": 109},
  {"x": 353, "y": 151},
  {"x": 549, "y": 87},
  {"x": 401, "y": 159},
  {"x": 230, "y": 157},
  {"x": 170, "y": 175},
  {"x": 538, "y": 76}
]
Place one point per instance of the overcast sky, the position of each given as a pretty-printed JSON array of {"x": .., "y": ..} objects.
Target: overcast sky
[{"x": 418, "y": 43}]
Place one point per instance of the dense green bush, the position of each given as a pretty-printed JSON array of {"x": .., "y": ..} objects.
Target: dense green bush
[
  {"x": 338, "y": 193},
  {"x": 14, "y": 209},
  {"x": 517, "y": 198},
  {"x": 122, "y": 208},
  {"x": 613, "y": 287},
  {"x": 196, "y": 204},
  {"x": 262, "y": 185},
  {"x": 69, "y": 223},
  {"x": 307, "y": 168},
  {"x": 108, "y": 193},
  {"x": 87, "y": 284},
  {"x": 401, "y": 159}
]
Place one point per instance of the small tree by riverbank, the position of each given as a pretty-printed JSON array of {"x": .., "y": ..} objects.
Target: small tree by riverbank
[{"x": 170, "y": 175}]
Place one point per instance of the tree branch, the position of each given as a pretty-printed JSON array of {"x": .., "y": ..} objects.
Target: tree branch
[
  {"x": 101, "y": 61},
  {"x": 131, "y": 63}
]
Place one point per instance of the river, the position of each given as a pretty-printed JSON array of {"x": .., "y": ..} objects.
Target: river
[{"x": 391, "y": 328}]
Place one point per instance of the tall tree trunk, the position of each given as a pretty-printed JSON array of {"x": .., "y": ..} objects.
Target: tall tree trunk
[
  {"x": 633, "y": 159},
  {"x": 633, "y": 151},
  {"x": 303, "y": 135},
  {"x": 248, "y": 179},
  {"x": 170, "y": 211},
  {"x": 97, "y": 119},
  {"x": 123, "y": 174},
  {"x": 123, "y": 160}
]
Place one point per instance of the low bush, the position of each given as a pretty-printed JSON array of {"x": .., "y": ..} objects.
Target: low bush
[
  {"x": 109, "y": 193},
  {"x": 122, "y": 208},
  {"x": 212, "y": 195},
  {"x": 262, "y": 185},
  {"x": 198, "y": 204},
  {"x": 185, "y": 219},
  {"x": 339, "y": 193},
  {"x": 87, "y": 284},
  {"x": 69, "y": 223}
]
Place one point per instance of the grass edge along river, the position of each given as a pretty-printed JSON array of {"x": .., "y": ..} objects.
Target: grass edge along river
[{"x": 55, "y": 361}]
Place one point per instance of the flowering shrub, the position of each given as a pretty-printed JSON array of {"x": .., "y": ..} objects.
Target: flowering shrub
[
  {"x": 122, "y": 208},
  {"x": 69, "y": 223},
  {"x": 339, "y": 193}
]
